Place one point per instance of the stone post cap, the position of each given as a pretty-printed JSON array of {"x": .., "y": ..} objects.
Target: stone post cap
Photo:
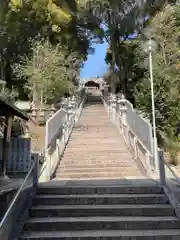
[
  {"x": 122, "y": 101},
  {"x": 73, "y": 97},
  {"x": 114, "y": 98},
  {"x": 70, "y": 105},
  {"x": 122, "y": 96},
  {"x": 119, "y": 101}
]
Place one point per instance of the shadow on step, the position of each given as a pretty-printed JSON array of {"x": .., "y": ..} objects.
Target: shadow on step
[
  {"x": 103, "y": 182},
  {"x": 125, "y": 209}
]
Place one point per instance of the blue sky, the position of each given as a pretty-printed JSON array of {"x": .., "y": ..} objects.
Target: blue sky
[{"x": 95, "y": 64}]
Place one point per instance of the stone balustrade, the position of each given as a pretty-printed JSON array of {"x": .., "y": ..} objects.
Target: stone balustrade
[
  {"x": 58, "y": 130},
  {"x": 136, "y": 131}
]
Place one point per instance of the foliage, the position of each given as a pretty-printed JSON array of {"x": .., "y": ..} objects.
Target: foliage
[
  {"x": 8, "y": 95},
  {"x": 118, "y": 20},
  {"x": 72, "y": 24},
  {"x": 44, "y": 43},
  {"x": 165, "y": 29},
  {"x": 129, "y": 72},
  {"x": 173, "y": 146},
  {"x": 24, "y": 21},
  {"x": 18, "y": 126},
  {"x": 50, "y": 72}
]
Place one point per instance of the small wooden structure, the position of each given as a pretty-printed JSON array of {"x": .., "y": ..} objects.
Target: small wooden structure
[
  {"x": 92, "y": 84},
  {"x": 7, "y": 112}
]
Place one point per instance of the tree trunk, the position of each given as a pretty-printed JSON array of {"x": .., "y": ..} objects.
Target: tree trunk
[{"x": 112, "y": 46}]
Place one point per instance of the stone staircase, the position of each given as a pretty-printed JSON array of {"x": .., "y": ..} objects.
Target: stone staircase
[
  {"x": 77, "y": 205},
  {"x": 95, "y": 149},
  {"x": 101, "y": 210}
]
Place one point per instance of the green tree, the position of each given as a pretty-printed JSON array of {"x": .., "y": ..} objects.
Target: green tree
[
  {"x": 165, "y": 29},
  {"x": 120, "y": 19},
  {"x": 21, "y": 21},
  {"x": 131, "y": 72},
  {"x": 50, "y": 72}
]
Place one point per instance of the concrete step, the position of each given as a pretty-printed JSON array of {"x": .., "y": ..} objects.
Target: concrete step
[
  {"x": 87, "y": 156},
  {"x": 100, "y": 223},
  {"x": 100, "y": 155},
  {"x": 77, "y": 133},
  {"x": 101, "y": 210},
  {"x": 167, "y": 234},
  {"x": 94, "y": 169},
  {"x": 101, "y": 138},
  {"x": 95, "y": 175},
  {"x": 98, "y": 187},
  {"x": 95, "y": 140},
  {"x": 106, "y": 152},
  {"x": 106, "y": 210},
  {"x": 88, "y": 167},
  {"x": 95, "y": 161},
  {"x": 99, "y": 199},
  {"x": 98, "y": 178},
  {"x": 93, "y": 151}
]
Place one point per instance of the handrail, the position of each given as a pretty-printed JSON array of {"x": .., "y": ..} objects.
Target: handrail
[
  {"x": 177, "y": 180},
  {"x": 171, "y": 170},
  {"x": 16, "y": 197}
]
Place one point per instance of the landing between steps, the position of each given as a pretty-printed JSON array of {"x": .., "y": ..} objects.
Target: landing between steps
[
  {"x": 106, "y": 235},
  {"x": 94, "y": 183}
]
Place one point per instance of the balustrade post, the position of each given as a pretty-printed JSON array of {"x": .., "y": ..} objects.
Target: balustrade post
[
  {"x": 58, "y": 142},
  {"x": 64, "y": 133},
  {"x": 34, "y": 110},
  {"x": 148, "y": 166},
  {"x": 111, "y": 101},
  {"x": 69, "y": 122},
  {"x": 64, "y": 104},
  {"x": 46, "y": 176},
  {"x": 74, "y": 105},
  {"x": 118, "y": 113},
  {"x": 113, "y": 106},
  {"x": 162, "y": 173},
  {"x": 123, "y": 115},
  {"x": 109, "y": 105},
  {"x": 135, "y": 147},
  {"x": 53, "y": 110},
  {"x": 71, "y": 116},
  {"x": 74, "y": 102}
]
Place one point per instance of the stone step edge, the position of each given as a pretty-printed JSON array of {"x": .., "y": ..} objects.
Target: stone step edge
[
  {"x": 104, "y": 233},
  {"x": 99, "y": 207},
  {"x": 111, "y": 196},
  {"x": 103, "y": 219}
]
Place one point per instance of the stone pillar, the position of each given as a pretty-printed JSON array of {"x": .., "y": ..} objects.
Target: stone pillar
[
  {"x": 64, "y": 133},
  {"x": 162, "y": 173},
  {"x": 123, "y": 115},
  {"x": 46, "y": 174},
  {"x": 118, "y": 113},
  {"x": 34, "y": 111},
  {"x": 113, "y": 106},
  {"x": 117, "y": 105},
  {"x": 74, "y": 103},
  {"x": 123, "y": 109},
  {"x": 64, "y": 103},
  {"x": 70, "y": 117},
  {"x": 52, "y": 110},
  {"x": 110, "y": 100}
]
